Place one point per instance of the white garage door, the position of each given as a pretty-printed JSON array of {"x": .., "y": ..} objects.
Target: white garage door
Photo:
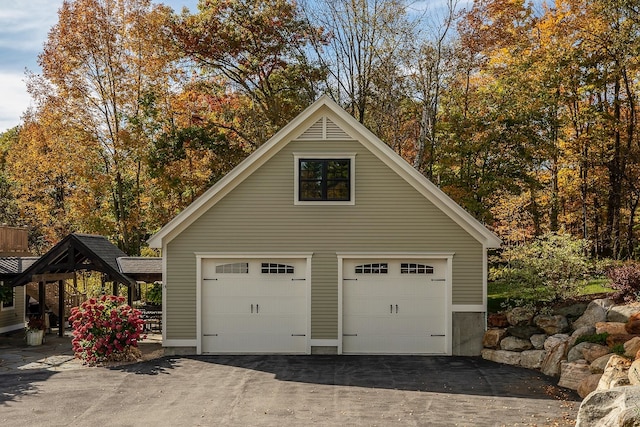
[
  {"x": 394, "y": 306},
  {"x": 254, "y": 306}
]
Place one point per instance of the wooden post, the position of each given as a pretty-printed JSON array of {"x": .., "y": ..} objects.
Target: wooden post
[
  {"x": 60, "y": 308},
  {"x": 130, "y": 292},
  {"x": 41, "y": 298},
  {"x": 115, "y": 288}
]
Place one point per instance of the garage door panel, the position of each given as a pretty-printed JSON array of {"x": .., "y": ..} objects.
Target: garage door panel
[
  {"x": 386, "y": 344},
  {"x": 254, "y": 306},
  {"x": 246, "y": 343},
  {"x": 402, "y": 309}
]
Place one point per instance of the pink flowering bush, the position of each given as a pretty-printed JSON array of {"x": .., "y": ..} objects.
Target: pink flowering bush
[{"x": 105, "y": 328}]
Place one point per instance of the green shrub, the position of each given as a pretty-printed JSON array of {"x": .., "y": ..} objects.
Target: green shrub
[
  {"x": 154, "y": 295},
  {"x": 618, "y": 349},
  {"x": 550, "y": 268},
  {"x": 594, "y": 338}
]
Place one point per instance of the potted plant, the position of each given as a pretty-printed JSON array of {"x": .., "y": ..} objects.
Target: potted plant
[{"x": 35, "y": 330}]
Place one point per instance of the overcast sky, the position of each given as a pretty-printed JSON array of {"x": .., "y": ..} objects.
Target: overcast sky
[{"x": 24, "y": 25}]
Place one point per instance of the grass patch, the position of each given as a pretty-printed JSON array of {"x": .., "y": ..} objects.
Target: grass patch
[
  {"x": 500, "y": 292},
  {"x": 595, "y": 286}
]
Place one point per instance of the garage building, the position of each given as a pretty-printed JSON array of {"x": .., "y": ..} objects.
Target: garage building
[{"x": 324, "y": 240}]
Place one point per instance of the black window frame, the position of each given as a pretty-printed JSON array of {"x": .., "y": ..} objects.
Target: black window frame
[{"x": 324, "y": 180}]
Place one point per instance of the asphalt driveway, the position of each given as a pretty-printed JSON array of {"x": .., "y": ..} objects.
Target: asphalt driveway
[{"x": 288, "y": 391}]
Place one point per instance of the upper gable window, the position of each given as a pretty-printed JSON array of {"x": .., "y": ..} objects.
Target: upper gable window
[{"x": 327, "y": 179}]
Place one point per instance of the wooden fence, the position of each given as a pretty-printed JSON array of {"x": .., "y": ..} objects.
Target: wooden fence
[{"x": 13, "y": 240}]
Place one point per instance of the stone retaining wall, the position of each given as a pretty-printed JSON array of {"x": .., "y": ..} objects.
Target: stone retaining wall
[{"x": 547, "y": 342}]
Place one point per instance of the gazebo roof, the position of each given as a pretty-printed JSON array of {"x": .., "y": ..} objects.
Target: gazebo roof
[
  {"x": 73, "y": 253},
  {"x": 146, "y": 269}
]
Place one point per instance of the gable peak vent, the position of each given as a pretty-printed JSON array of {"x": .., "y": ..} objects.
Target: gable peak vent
[{"x": 324, "y": 129}]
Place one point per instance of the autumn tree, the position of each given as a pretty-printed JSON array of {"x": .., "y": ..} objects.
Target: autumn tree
[
  {"x": 105, "y": 59},
  {"x": 8, "y": 203},
  {"x": 54, "y": 194},
  {"x": 255, "y": 54}
]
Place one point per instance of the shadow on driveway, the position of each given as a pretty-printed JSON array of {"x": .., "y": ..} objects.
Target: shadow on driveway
[
  {"x": 452, "y": 375},
  {"x": 276, "y": 391},
  {"x": 14, "y": 387}
]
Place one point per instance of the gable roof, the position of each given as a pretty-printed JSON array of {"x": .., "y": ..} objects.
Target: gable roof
[
  {"x": 320, "y": 120},
  {"x": 78, "y": 252},
  {"x": 147, "y": 269}
]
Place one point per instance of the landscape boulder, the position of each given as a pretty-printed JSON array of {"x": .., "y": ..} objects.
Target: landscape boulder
[
  {"x": 621, "y": 313},
  {"x": 502, "y": 356},
  {"x": 616, "y": 373},
  {"x": 573, "y": 373},
  {"x": 555, "y": 356},
  {"x": 610, "y": 328},
  {"x": 580, "y": 332},
  {"x": 588, "y": 385},
  {"x": 532, "y": 359},
  {"x": 572, "y": 311},
  {"x": 596, "y": 312},
  {"x": 520, "y": 316},
  {"x": 632, "y": 346},
  {"x": 608, "y": 408},
  {"x": 554, "y": 340},
  {"x": 515, "y": 344},
  {"x": 552, "y": 324},
  {"x": 523, "y": 331},
  {"x": 634, "y": 373},
  {"x": 499, "y": 320},
  {"x": 615, "y": 339},
  {"x": 537, "y": 340},
  {"x": 598, "y": 365},
  {"x": 588, "y": 351},
  {"x": 493, "y": 337},
  {"x": 633, "y": 324}
]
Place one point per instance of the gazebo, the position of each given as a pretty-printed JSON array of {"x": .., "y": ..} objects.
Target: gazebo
[{"x": 86, "y": 252}]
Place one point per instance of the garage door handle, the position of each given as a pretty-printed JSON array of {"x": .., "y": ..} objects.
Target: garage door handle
[
  {"x": 298, "y": 335},
  {"x": 294, "y": 279},
  {"x": 349, "y": 279},
  {"x": 438, "y": 335},
  {"x": 210, "y": 335},
  {"x": 209, "y": 279},
  {"x": 252, "y": 308},
  {"x": 349, "y": 335},
  {"x": 257, "y": 308},
  {"x": 438, "y": 280}
]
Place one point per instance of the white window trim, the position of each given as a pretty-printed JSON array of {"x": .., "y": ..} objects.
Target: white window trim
[{"x": 316, "y": 155}]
